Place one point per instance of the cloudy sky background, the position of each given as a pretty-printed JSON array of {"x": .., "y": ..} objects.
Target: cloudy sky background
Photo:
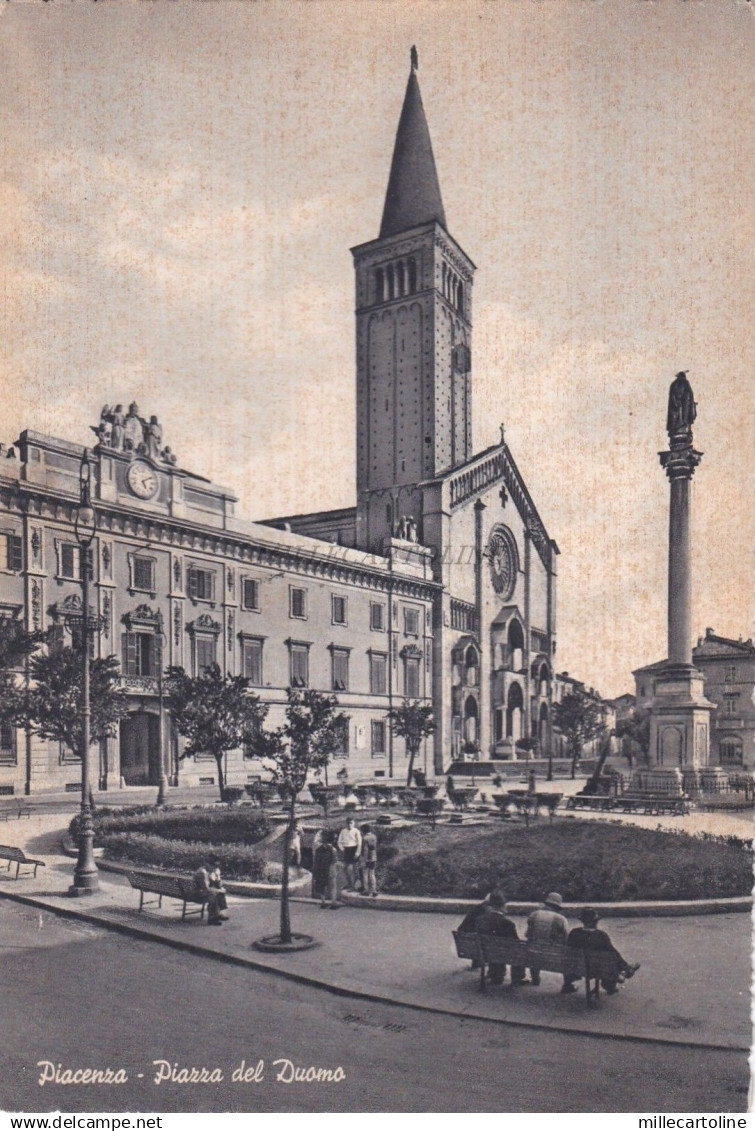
[{"x": 181, "y": 185}]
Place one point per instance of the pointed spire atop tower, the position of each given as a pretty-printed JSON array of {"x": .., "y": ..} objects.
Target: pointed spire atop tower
[{"x": 413, "y": 195}]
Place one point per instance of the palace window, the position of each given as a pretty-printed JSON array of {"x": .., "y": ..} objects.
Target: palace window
[
  {"x": 341, "y": 749},
  {"x": 201, "y": 584},
  {"x": 338, "y": 609},
  {"x": 299, "y": 664},
  {"x": 205, "y": 648},
  {"x": 378, "y": 672},
  {"x": 251, "y": 659},
  {"x": 7, "y": 744},
  {"x": 378, "y": 738},
  {"x": 731, "y": 673},
  {"x": 69, "y": 557},
  {"x": 250, "y": 594},
  {"x": 298, "y": 603},
  {"x": 13, "y": 555},
  {"x": 142, "y": 573},
  {"x": 340, "y": 660},
  {"x": 411, "y": 622},
  {"x": 139, "y": 653},
  {"x": 377, "y": 616},
  {"x": 731, "y": 705},
  {"x": 411, "y": 677}
]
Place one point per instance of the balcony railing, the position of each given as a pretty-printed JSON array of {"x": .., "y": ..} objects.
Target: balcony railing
[{"x": 139, "y": 684}]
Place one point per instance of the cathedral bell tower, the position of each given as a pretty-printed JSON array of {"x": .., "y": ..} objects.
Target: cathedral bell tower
[{"x": 414, "y": 331}]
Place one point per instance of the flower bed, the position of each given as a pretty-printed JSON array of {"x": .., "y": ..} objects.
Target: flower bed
[
  {"x": 236, "y": 861},
  {"x": 586, "y": 861}
]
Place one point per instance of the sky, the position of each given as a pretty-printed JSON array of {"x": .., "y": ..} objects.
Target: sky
[{"x": 181, "y": 184}]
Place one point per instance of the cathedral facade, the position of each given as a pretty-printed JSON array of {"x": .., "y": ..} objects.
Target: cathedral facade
[{"x": 438, "y": 586}]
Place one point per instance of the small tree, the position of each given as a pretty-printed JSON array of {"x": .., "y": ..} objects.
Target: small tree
[
  {"x": 636, "y": 729},
  {"x": 592, "y": 785},
  {"x": 52, "y": 705},
  {"x": 16, "y": 645},
  {"x": 579, "y": 719},
  {"x": 412, "y": 721},
  {"x": 216, "y": 713},
  {"x": 312, "y": 733}
]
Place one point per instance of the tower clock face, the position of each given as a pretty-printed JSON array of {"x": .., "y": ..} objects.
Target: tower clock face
[
  {"x": 141, "y": 479},
  {"x": 502, "y": 556}
]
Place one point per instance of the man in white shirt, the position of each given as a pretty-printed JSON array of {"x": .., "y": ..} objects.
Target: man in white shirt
[{"x": 350, "y": 847}]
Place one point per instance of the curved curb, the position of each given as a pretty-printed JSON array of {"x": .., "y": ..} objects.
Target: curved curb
[
  {"x": 435, "y": 904},
  {"x": 350, "y": 992},
  {"x": 640, "y": 909}
]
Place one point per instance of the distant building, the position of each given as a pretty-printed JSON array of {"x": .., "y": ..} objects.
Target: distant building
[{"x": 729, "y": 670}]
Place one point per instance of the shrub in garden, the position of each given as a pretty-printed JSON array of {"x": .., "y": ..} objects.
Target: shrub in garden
[
  {"x": 207, "y": 826},
  {"x": 236, "y": 861},
  {"x": 586, "y": 861}
]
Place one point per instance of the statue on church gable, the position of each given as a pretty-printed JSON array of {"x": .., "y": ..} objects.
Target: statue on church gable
[{"x": 682, "y": 409}]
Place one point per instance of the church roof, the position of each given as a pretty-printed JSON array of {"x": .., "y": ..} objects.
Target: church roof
[{"x": 413, "y": 195}]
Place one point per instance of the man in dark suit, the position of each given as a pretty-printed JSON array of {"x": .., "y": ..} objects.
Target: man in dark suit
[
  {"x": 588, "y": 937},
  {"x": 493, "y": 921}
]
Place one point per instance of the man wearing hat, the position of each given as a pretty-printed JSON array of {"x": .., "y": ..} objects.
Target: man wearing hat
[
  {"x": 547, "y": 927},
  {"x": 588, "y": 937},
  {"x": 493, "y": 921}
]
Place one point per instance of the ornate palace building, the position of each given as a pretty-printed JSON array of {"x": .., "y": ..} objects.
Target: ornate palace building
[{"x": 440, "y": 584}]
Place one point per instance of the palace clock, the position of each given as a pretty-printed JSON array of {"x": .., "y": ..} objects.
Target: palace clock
[{"x": 141, "y": 479}]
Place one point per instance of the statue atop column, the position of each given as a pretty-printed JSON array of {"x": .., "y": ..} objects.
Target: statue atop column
[{"x": 682, "y": 409}]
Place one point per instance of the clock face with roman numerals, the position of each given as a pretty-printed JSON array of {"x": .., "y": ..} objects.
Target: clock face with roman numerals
[
  {"x": 142, "y": 479},
  {"x": 504, "y": 563}
]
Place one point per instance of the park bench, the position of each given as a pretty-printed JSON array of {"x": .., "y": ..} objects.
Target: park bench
[
  {"x": 592, "y": 965},
  {"x": 651, "y": 804},
  {"x": 22, "y": 809},
  {"x": 171, "y": 886},
  {"x": 590, "y": 801},
  {"x": 19, "y": 858}
]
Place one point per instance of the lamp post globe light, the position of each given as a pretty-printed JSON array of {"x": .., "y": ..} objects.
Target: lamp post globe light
[{"x": 85, "y": 877}]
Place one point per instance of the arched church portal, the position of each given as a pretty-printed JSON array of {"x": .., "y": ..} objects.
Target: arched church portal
[
  {"x": 515, "y": 643},
  {"x": 514, "y": 713}
]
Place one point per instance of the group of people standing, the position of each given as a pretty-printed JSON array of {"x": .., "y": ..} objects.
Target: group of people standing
[
  {"x": 351, "y": 853},
  {"x": 547, "y": 927}
]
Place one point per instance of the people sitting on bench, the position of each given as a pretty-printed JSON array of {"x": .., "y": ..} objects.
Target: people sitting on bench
[
  {"x": 208, "y": 885},
  {"x": 493, "y": 921},
  {"x": 588, "y": 937},
  {"x": 547, "y": 927}
]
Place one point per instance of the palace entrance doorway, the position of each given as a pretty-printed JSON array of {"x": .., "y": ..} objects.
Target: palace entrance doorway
[{"x": 140, "y": 749}]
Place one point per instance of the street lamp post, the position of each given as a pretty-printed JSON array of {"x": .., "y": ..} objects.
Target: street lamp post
[
  {"x": 160, "y": 642},
  {"x": 85, "y": 877}
]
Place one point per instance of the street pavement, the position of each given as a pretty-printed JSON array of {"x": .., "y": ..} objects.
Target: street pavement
[
  {"x": 77, "y": 995},
  {"x": 693, "y": 987}
]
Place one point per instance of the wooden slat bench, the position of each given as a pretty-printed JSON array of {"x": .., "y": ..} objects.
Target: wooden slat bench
[
  {"x": 18, "y": 857},
  {"x": 590, "y": 801},
  {"x": 22, "y": 809},
  {"x": 171, "y": 886},
  {"x": 592, "y": 965},
  {"x": 654, "y": 805}
]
